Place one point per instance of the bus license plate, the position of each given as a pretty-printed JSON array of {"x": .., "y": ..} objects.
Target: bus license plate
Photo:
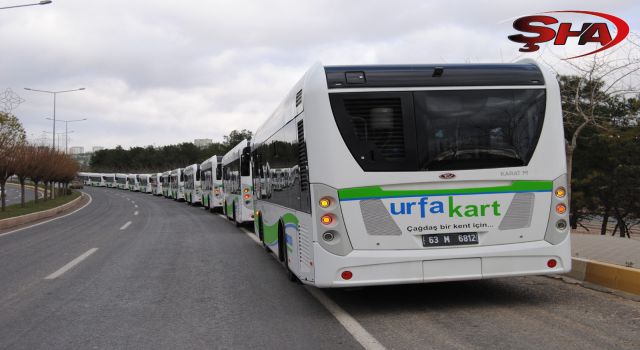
[{"x": 446, "y": 239}]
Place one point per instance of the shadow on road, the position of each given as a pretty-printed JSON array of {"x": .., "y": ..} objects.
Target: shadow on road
[{"x": 444, "y": 295}]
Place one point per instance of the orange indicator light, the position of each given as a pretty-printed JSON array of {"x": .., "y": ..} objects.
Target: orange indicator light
[
  {"x": 560, "y": 192},
  {"x": 325, "y": 202}
]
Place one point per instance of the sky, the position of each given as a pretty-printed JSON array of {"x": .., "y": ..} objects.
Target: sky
[{"x": 162, "y": 72}]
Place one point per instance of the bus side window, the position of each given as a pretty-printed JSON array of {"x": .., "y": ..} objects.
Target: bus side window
[{"x": 245, "y": 162}]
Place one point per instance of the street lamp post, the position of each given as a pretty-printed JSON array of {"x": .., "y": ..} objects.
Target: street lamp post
[
  {"x": 54, "y": 93},
  {"x": 58, "y": 135},
  {"x": 43, "y": 2},
  {"x": 66, "y": 130}
]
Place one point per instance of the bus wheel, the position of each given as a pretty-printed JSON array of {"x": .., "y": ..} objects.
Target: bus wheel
[
  {"x": 284, "y": 254},
  {"x": 261, "y": 234},
  {"x": 234, "y": 216}
]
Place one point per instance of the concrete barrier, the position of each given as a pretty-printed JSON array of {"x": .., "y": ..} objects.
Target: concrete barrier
[
  {"x": 45, "y": 214},
  {"x": 612, "y": 276}
]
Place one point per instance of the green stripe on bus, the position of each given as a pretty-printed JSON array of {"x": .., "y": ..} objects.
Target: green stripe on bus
[
  {"x": 377, "y": 192},
  {"x": 270, "y": 232}
]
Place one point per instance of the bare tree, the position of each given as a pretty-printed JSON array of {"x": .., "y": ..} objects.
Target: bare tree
[
  {"x": 12, "y": 136},
  {"x": 23, "y": 167}
]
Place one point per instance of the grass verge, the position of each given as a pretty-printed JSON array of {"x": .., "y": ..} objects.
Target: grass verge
[{"x": 33, "y": 207}]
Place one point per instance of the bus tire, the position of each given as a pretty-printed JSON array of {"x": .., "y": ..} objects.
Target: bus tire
[
  {"x": 261, "y": 234},
  {"x": 284, "y": 254},
  {"x": 238, "y": 224}
]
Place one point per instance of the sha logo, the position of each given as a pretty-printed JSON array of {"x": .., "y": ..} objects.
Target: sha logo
[{"x": 595, "y": 30}]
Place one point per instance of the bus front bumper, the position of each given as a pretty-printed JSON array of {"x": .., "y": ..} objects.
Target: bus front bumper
[{"x": 384, "y": 267}]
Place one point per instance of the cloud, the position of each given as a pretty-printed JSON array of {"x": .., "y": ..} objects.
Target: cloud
[{"x": 162, "y": 72}]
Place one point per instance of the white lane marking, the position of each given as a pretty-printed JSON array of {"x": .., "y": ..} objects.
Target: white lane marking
[
  {"x": 124, "y": 227},
  {"x": 71, "y": 264},
  {"x": 250, "y": 234},
  {"x": 133, "y": 202},
  {"x": 135, "y": 213},
  {"x": 128, "y": 199},
  {"x": 222, "y": 216},
  {"x": 347, "y": 321},
  {"x": 47, "y": 221},
  {"x": 135, "y": 206}
]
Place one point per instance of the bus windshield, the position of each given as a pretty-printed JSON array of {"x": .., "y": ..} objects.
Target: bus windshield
[{"x": 440, "y": 130}]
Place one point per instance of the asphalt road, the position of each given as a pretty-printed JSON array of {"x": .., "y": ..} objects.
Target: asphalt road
[
  {"x": 178, "y": 277},
  {"x": 13, "y": 194}
]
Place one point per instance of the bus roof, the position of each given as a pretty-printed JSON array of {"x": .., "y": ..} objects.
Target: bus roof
[
  {"x": 233, "y": 153},
  {"x": 208, "y": 164},
  {"x": 373, "y": 76}
]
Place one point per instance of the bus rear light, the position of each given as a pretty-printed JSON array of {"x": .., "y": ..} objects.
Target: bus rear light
[
  {"x": 326, "y": 219},
  {"x": 561, "y": 208},
  {"x": 245, "y": 190},
  {"x": 561, "y": 225},
  {"x": 328, "y": 236},
  {"x": 560, "y": 192},
  {"x": 552, "y": 263},
  {"x": 246, "y": 196},
  {"x": 325, "y": 202},
  {"x": 346, "y": 275}
]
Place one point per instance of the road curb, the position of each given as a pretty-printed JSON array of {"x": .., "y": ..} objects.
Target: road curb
[
  {"x": 612, "y": 276},
  {"x": 28, "y": 218}
]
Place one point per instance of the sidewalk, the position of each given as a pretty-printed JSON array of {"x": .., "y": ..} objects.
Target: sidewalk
[{"x": 613, "y": 250}]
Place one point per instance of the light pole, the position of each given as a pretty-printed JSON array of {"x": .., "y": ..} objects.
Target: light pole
[
  {"x": 43, "y": 2},
  {"x": 66, "y": 130},
  {"x": 58, "y": 135},
  {"x": 54, "y": 93}
]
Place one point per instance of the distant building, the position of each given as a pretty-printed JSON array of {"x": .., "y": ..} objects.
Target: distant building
[
  {"x": 84, "y": 159},
  {"x": 97, "y": 148},
  {"x": 202, "y": 143},
  {"x": 76, "y": 150}
]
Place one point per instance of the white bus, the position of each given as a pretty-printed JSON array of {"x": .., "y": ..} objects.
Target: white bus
[
  {"x": 97, "y": 180},
  {"x": 145, "y": 185},
  {"x": 155, "y": 180},
  {"x": 121, "y": 181},
  {"x": 176, "y": 183},
  {"x": 412, "y": 174},
  {"x": 110, "y": 180},
  {"x": 134, "y": 182},
  {"x": 192, "y": 184},
  {"x": 84, "y": 177},
  {"x": 211, "y": 177},
  {"x": 236, "y": 172}
]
